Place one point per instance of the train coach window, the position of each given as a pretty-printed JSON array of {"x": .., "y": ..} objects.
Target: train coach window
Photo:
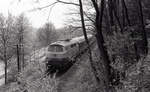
[{"x": 55, "y": 48}]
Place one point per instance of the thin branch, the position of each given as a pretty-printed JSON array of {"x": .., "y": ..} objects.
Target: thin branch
[
  {"x": 68, "y": 2},
  {"x": 50, "y": 10},
  {"x": 40, "y": 8},
  {"x": 58, "y": 1},
  {"x": 47, "y": 5},
  {"x": 93, "y": 21}
]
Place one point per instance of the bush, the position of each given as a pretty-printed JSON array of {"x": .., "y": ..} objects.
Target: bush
[
  {"x": 33, "y": 79},
  {"x": 122, "y": 54}
]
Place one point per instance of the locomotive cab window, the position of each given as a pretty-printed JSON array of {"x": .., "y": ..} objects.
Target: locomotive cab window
[
  {"x": 56, "y": 48},
  {"x": 73, "y": 45}
]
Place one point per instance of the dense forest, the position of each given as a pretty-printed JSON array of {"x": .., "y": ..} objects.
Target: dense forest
[{"x": 118, "y": 63}]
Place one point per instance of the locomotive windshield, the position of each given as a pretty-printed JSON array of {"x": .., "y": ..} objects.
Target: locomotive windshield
[{"x": 55, "y": 48}]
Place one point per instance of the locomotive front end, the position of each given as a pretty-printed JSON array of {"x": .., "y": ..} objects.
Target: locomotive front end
[{"x": 56, "y": 55}]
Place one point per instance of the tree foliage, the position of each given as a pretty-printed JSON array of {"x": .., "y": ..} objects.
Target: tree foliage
[{"x": 46, "y": 34}]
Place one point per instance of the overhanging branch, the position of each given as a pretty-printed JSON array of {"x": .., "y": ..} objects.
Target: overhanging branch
[
  {"x": 68, "y": 2},
  {"x": 47, "y": 5},
  {"x": 40, "y": 8}
]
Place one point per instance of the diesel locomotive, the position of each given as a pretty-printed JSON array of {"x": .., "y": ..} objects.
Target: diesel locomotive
[{"x": 61, "y": 53}]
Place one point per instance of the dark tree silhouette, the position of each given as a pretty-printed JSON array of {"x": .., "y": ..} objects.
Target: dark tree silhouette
[
  {"x": 87, "y": 41},
  {"x": 100, "y": 40}
]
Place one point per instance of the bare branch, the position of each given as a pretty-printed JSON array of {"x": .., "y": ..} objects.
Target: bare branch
[
  {"x": 68, "y": 2},
  {"x": 50, "y": 10},
  {"x": 93, "y": 21},
  {"x": 58, "y": 1},
  {"x": 47, "y": 5},
  {"x": 40, "y": 8}
]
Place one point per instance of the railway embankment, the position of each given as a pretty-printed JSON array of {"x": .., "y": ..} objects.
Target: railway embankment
[{"x": 77, "y": 78}]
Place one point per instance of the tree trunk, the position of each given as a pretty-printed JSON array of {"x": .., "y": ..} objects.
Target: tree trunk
[
  {"x": 5, "y": 55},
  {"x": 123, "y": 15},
  {"x": 126, "y": 12},
  {"x": 144, "y": 36},
  {"x": 5, "y": 59},
  {"x": 18, "y": 58},
  {"x": 87, "y": 41},
  {"x": 115, "y": 12},
  {"x": 23, "y": 61},
  {"x": 110, "y": 12},
  {"x": 100, "y": 41},
  {"x": 129, "y": 24}
]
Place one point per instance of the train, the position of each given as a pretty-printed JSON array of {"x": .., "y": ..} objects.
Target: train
[{"x": 63, "y": 52}]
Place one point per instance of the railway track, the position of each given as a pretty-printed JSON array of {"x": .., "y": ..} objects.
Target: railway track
[
  {"x": 73, "y": 78},
  {"x": 69, "y": 64},
  {"x": 66, "y": 81}
]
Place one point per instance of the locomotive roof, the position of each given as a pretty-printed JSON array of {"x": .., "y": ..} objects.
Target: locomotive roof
[{"x": 71, "y": 41}]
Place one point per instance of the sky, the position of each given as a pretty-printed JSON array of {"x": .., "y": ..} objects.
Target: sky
[{"x": 37, "y": 17}]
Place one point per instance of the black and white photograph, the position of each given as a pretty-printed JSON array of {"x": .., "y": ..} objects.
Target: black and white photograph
[{"x": 74, "y": 45}]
